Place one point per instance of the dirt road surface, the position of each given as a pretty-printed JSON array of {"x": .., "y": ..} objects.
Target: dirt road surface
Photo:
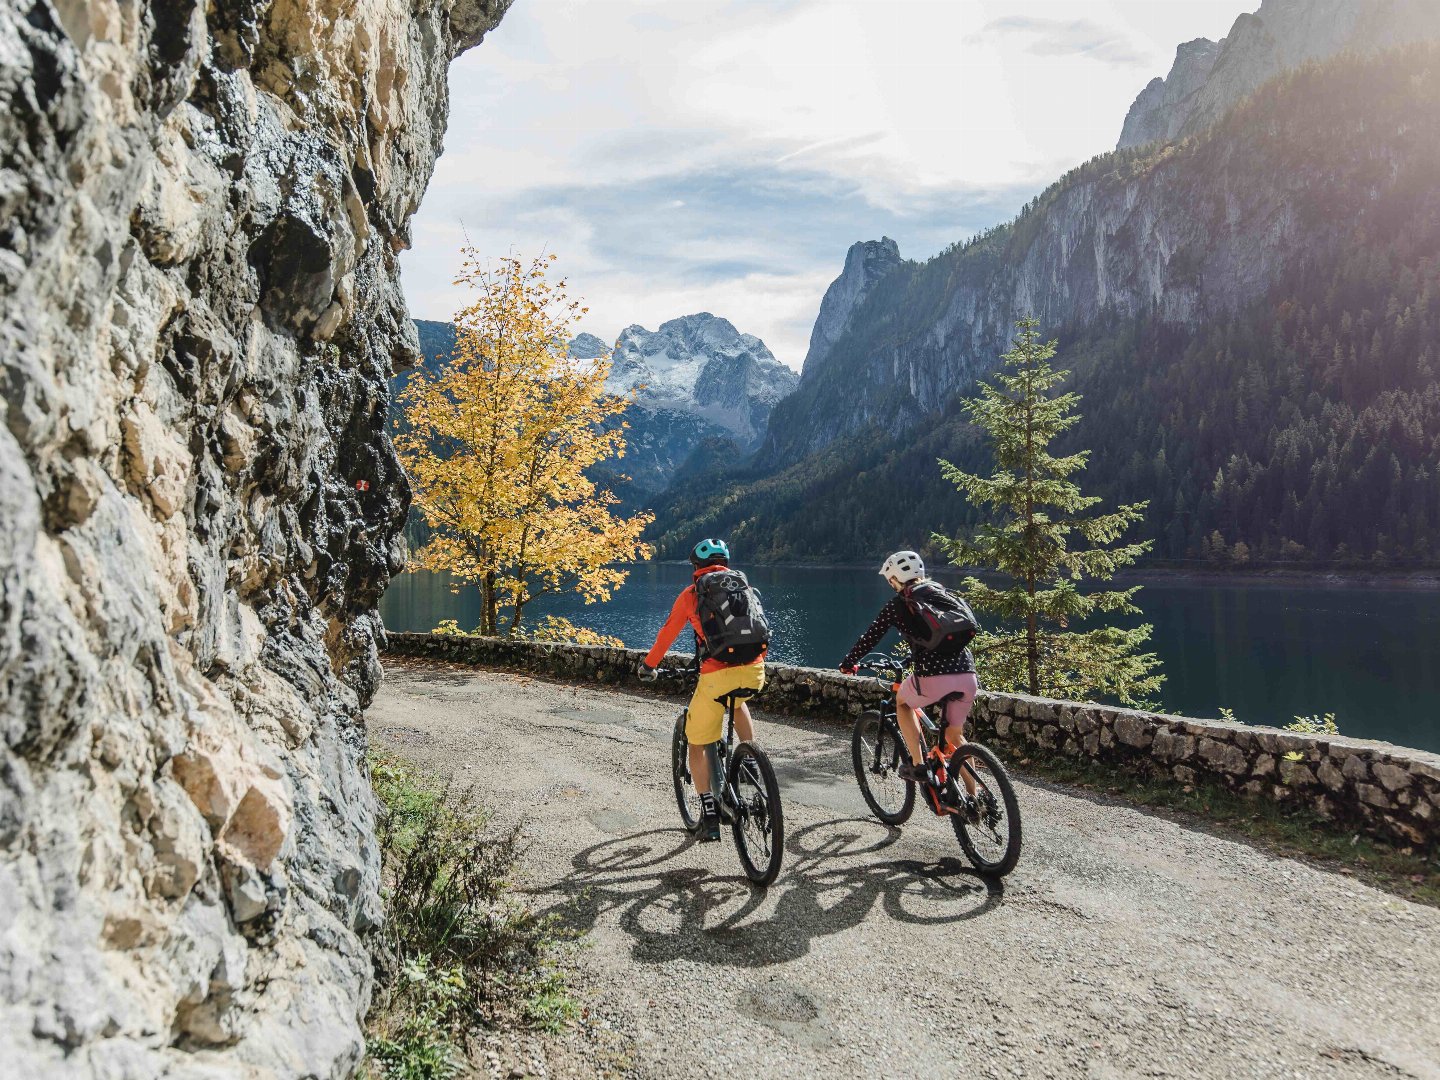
[{"x": 1125, "y": 943}]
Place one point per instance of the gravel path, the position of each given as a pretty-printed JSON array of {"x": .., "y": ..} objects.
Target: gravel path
[{"x": 1124, "y": 944}]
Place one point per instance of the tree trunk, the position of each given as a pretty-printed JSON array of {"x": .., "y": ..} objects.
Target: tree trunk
[
  {"x": 515, "y": 617},
  {"x": 1032, "y": 654},
  {"x": 488, "y": 605}
]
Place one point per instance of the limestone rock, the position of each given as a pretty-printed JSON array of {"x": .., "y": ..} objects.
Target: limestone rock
[
  {"x": 1209, "y": 78},
  {"x": 866, "y": 263},
  {"x": 200, "y": 208}
]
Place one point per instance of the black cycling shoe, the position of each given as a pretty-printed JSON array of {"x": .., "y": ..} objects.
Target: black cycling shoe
[
  {"x": 709, "y": 819},
  {"x": 914, "y": 774},
  {"x": 709, "y": 828}
]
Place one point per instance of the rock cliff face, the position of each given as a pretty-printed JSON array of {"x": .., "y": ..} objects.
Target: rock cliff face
[
  {"x": 1185, "y": 233},
  {"x": 867, "y": 262},
  {"x": 1166, "y": 102},
  {"x": 201, "y": 207},
  {"x": 1209, "y": 78}
]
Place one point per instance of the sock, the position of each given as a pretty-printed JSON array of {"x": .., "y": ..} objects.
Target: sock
[{"x": 707, "y": 803}]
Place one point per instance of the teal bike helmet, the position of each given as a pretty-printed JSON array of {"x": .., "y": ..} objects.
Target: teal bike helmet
[{"x": 707, "y": 552}]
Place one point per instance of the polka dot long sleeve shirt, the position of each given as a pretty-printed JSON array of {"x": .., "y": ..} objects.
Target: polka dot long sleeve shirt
[{"x": 926, "y": 663}]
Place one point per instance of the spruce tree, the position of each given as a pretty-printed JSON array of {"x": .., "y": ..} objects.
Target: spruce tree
[{"x": 1040, "y": 538}]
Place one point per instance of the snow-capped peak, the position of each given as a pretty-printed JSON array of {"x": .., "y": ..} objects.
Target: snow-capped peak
[{"x": 701, "y": 365}]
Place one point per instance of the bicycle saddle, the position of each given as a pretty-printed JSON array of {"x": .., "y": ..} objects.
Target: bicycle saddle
[{"x": 739, "y": 695}]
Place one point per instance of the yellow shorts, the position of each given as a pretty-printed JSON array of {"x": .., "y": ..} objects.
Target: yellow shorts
[{"x": 706, "y": 715}]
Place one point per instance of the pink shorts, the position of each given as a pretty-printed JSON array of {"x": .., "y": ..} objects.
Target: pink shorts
[{"x": 932, "y": 688}]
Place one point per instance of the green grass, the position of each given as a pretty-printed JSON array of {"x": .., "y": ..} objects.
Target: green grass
[
  {"x": 1291, "y": 831},
  {"x": 458, "y": 954}
]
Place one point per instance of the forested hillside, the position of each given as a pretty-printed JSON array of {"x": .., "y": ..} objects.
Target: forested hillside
[{"x": 1300, "y": 424}]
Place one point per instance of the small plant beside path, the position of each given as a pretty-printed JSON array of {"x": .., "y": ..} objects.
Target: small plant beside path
[{"x": 458, "y": 955}]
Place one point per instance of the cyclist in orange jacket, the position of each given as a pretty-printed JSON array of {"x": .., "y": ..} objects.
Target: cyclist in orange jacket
[{"x": 706, "y": 714}]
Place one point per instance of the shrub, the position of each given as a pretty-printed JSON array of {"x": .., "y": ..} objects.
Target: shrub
[
  {"x": 457, "y": 952},
  {"x": 556, "y": 628}
]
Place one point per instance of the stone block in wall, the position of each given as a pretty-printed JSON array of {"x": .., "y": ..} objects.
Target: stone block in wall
[
  {"x": 1373, "y": 795},
  {"x": 1330, "y": 776},
  {"x": 1136, "y": 731},
  {"x": 1296, "y": 774},
  {"x": 1223, "y": 756},
  {"x": 1173, "y": 746},
  {"x": 1354, "y": 769},
  {"x": 1392, "y": 777}
]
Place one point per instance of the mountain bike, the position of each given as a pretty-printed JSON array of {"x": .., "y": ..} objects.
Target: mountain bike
[
  {"x": 749, "y": 799},
  {"x": 987, "y": 825}
]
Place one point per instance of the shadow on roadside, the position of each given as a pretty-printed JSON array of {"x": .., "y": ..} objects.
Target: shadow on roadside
[{"x": 696, "y": 914}]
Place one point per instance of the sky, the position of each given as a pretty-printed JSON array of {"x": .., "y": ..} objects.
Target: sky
[{"x": 722, "y": 155}]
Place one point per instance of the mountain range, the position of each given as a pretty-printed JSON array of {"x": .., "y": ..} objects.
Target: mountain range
[
  {"x": 702, "y": 393},
  {"x": 1247, "y": 291},
  {"x": 700, "y": 387}
]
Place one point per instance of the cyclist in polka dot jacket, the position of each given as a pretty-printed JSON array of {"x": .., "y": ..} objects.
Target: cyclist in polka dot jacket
[{"x": 942, "y": 674}]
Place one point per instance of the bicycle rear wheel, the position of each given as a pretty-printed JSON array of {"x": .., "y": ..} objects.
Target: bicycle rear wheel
[
  {"x": 876, "y": 751},
  {"x": 686, "y": 797},
  {"x": 990, "y": 836},
  {"x": 758, "y": 823}
]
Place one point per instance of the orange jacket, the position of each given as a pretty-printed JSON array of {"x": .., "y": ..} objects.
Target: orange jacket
[{"x": 681, "y": 613}]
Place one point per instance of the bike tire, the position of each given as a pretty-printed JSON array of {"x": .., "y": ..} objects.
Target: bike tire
[
  {"x": 872, "y": 740},
  {"x": 993, "y": 844},
  {"x": 686, "y": 797},
  {"x": 758, "y": 822}
]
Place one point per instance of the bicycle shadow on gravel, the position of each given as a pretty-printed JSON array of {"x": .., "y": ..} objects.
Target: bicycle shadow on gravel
[{"x": 693, "y": 913}]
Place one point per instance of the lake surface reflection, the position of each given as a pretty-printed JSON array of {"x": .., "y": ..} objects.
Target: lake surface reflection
[{"x": 1266, "y": 651}]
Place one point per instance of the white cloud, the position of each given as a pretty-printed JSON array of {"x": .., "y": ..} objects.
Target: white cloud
[{"x": 686, "y": 155}]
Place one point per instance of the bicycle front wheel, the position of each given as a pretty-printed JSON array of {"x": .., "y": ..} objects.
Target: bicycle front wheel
[
  {"x": 758, "y": 823},
  {"x": 876, "y": 751},
  {"x": 686, "y": 797},
  {"x": 990, "y": 833}
]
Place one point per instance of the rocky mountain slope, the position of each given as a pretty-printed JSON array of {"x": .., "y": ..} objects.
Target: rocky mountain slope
[
  {"x": 1188, "y": 233},
  {"x": 699, "y": 384},
  {"x": 697, "y": 380},
  {"x": 1314, "y": 195},
  {"x": 201, "y": 207},
  {"x": 1209, "y": 78},
  {"x": 866, "y": 263}
]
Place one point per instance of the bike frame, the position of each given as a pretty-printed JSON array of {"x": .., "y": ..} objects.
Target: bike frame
[
  {"x": 932, "y": 735},
  {"x": 717, "y": 755}
]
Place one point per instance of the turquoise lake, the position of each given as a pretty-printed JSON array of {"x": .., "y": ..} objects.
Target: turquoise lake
[{"x": 1268, "y": 652}]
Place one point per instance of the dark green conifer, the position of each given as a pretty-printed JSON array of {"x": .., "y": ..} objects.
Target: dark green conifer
[{"x": 1040, "y": 537}]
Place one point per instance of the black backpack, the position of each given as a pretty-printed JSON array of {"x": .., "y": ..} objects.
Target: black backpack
[
  {"x": 940, "y": 622},
  {"x": 731, "y": 620}
]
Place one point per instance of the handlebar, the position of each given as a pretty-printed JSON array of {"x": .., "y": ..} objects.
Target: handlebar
[
  {"x": 883, "y": 665},
  {"x": 676, "y": 674}
]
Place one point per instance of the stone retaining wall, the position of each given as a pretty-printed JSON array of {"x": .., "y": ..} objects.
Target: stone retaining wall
[{"x": 1373, "y": 787}]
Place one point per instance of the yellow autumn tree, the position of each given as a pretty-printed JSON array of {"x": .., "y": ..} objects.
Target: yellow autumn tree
[{"x": 497, "y": 443}]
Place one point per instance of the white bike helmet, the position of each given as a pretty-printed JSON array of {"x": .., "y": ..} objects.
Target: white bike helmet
[{"x": 904, "y": 567}]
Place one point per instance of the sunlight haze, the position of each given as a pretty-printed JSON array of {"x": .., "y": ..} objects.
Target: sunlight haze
[{"x": 712, "y": 156}]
